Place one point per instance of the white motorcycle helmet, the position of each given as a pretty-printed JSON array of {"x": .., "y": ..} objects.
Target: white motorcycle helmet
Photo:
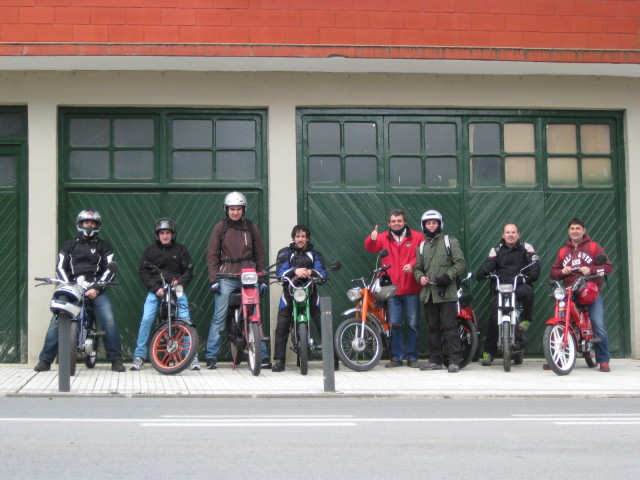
[
  {"x": 431, "y": 215},
  {"x": 235, "y": 199},
  {"x": 89, "y": 214}
]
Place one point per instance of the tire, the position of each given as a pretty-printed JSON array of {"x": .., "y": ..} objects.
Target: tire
[
  {"x": 73, "y": 339},
  {"x": 253, "y": 341},
  {"x": 90, "y": 360},
  {"x": 518, "y": 358},
  {"x": 172, "y": 352},
  {"x": 506, "y": 346},
  {"x": 360, "y": 356},
  {"x": 560, "y": 360},
  {"x": 468, "y": 341},
  {"x": 590, "y": 358},
  {"x": 303, "y": 351}
]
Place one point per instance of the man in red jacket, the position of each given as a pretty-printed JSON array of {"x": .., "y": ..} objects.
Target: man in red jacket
[
  {"x": 401, "y": 243},
  {"x": 581, "y": 252}
]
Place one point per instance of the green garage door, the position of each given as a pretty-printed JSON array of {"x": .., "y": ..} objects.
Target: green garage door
[
  {"x": 480, "y": 169},
  {"x": 13, "y": 245},
  {"x": 136, "y": 166}
]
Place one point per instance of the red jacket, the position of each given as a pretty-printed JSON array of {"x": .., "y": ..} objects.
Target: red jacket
[
  {"x": 399, "y": 256},
  {"x": 580, "y": 256}
]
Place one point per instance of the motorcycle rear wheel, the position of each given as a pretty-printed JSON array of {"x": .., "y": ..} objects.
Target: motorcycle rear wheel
[
  {"x": 303, "y": 351},
  {"x": 468, "y": 342},
  {"x": 73, "y": 338},
  {"x": 590, "y": 358},
  {"x": 172, "y": 352},
  {"x": 560, "y": 359},
  {"x": 253, "y": 343},
  {"x": 358, "y": 354},
  {"x": 90, "y": 360},
  {"x": 506, "y": 346}
]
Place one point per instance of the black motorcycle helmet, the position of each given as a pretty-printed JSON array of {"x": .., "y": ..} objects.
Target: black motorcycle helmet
[{"x": 165, "y": 224}]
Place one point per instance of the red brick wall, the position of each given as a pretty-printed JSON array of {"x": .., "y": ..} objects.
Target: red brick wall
[{"x": 484, "y": 24}]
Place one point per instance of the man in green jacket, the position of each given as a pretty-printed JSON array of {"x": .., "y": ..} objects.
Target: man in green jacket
[{"x": 439, "y": 262}]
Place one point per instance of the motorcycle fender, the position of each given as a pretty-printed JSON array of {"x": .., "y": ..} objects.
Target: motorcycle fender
[
  {"x": 351, "y": 311},
  {"x": 555, "y": 320}
]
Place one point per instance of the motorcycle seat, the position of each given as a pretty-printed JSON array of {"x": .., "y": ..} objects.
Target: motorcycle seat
[{"x": 235, "y": 299}]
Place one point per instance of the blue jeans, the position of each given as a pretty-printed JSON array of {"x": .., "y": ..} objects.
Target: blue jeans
[
  {"x": 400, "y": 308},
  {"x": 596, "y": 312},
  {"x": 220, "y": 306},
  {"x": 104, "y": 313},
  {"x": 149, "y": 314}
]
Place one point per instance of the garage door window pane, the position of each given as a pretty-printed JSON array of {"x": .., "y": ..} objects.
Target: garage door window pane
[
  {"x": 235, "y": 165},
  {"x": 595, "y": 139},
  {"x": 89, "y": 165},
  {"x": 440, "y": 138},
  {"x": 519, "y": 137},
  {"x": 10, "y": 124},
  {"x": 484, "y": 138},
  {"x": 596, "y": 172},
  {"x": 7, "y": 171},
  {"x": 360, "y": 137},
  {"x": 520, "y": 172},
  {"x": 441, "y": 172},
  {"x": 136, "y": 164},
  {"x": 563, "y": 172},
  {"x": 561, "y": 139},
  {"x": 324, "y": 137},
  {"x": 235, "y": 134},
  {"x": 485, "y": 171},
  {"x": 90, "y": 132},
  {"x": 404, "y": 137},
  {"x": 192, "y": 134},
  {"x": 405, "y": 171},
  {"x": 133, "y": 132},
  {"x": 361, "y": 171},
  {"x": 192, "y": 165},
  {"x": 324, "y": 171}
]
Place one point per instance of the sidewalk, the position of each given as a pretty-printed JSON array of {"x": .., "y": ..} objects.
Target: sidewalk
[{"x": 527, "y": 380}]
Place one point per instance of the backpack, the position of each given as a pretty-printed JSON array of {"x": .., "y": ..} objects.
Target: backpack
[{"x": 592, "y": 247}]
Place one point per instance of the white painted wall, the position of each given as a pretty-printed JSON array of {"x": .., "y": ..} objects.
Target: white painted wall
[{"x": 281, "y": 94}]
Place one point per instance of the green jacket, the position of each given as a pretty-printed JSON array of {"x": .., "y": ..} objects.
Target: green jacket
[{"x": 434, "y": 262}]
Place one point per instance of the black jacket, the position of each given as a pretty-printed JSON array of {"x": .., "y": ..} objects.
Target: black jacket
[
  {"x": 507, "y": 262},
  {"x": 174, "y": 260},
  {"x": 86, "y": 257}
]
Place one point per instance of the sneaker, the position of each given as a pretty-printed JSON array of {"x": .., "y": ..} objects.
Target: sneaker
[
  {"x": 546, "y": 367},
  {"x": 278, "y": 367},
  {"x": 266, "y": 363},
  {"x": 211, "y": 364},
  {"x": 604, "y": 367},
  {"x": 453, "y": 368},
  {"x": 42, "y": 366},
  {"x": 524, "y": 325},
  {"x": 413, "y": 364},
  {"x": 137, "y": 364},
  {"x": 195, "y": 364},
  {"x": 431, "y": 366},
  {"x": 393, "y": 364},
  {"x": 117, "y": 365},
  {"x": 487, "y": 359}
]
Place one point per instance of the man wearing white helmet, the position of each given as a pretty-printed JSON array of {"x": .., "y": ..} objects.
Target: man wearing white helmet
[
  {"x": 439, "y": 262},
  {"x": 235, "y": 243}
]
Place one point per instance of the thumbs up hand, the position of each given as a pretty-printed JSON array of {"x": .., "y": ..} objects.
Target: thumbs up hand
[{"x": 374, "y": 234}]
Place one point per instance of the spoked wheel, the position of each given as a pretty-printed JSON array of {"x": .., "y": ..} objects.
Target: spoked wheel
[
  {"x": 91, "y": 345},
  {"x": 253, "y": 343},
  {"x": 468, "y": 341},
  {"x": 172, "y": 351},
  {"x": 73, "y": 338},
  {"x": 506, "y": 346},
  {"x": 560, "y": 358},
  {"x": 303, "y": 351},
  {"x": 358, "y": 345},
  {"x": 590, "y": 358}
]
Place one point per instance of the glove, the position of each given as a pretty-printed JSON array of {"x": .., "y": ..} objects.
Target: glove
[
  {"x": 264, "y": 289},
  {"x": 441, "y": 290},
  {"x": 443, "y": 280},
  {"x": 215, "y": 287}
]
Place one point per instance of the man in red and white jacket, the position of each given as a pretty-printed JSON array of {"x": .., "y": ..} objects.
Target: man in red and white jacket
[{"x": 401, "y": 242}]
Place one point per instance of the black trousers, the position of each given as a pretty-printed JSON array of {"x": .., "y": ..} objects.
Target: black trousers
[
  {"x": 441, "y": 320},
  {"x": 525, "y": 297}
]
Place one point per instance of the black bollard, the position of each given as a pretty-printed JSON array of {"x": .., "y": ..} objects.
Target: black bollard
[
  {"x": 326, "y": 321},
  {"x": 64, "y": 353}
]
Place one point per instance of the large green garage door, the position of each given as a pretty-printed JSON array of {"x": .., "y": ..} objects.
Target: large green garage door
[
  {"x": 13, "y": 245},
  {"x": 480, "y": 169},
  {"x": 136, "y": 166}
]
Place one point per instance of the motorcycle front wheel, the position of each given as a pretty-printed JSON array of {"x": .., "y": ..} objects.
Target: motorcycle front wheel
[
  {"x": 303, "y": 350},
  {"x": 172, "y": 351},
  {"x": 506, "y": 346},
  {"x": 253, "y": 341},
  {"x": 560, "y": 359},
  {"x": 468, "y": 341},
  {"x": 359, "y": 345}
]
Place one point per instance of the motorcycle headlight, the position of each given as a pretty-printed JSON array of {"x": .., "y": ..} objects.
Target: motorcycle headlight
[
  {"x": 354, "y": 294},
  {"x": 558, "y": 293},
  {"x": 179, "y": 291},
  {"x": 300, "y": 295},
  {"x": 249, "y": 278},
  {"x": 505, "y": 288}
]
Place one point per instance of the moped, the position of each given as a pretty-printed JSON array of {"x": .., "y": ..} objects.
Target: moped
[
  {"x": 467, "y": 325},
  {"x": 570, "y": 330},
  {"x": 359, "y": 338},
  {"x": 301, "y": 290},
  {"x": 511, "y": 339},
  {"x": 174, "y": 341},
  {"x": 68, "y": 303}
]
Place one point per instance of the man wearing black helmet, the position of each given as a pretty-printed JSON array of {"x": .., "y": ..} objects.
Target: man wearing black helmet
[
  {"x": 174, "y": 260},
  {"x": 87, "y": 256},
  {"x": 235, "y": 243}
]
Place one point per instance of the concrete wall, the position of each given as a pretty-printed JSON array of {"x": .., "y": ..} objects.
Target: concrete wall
[{"x": 281, "y": 94}]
